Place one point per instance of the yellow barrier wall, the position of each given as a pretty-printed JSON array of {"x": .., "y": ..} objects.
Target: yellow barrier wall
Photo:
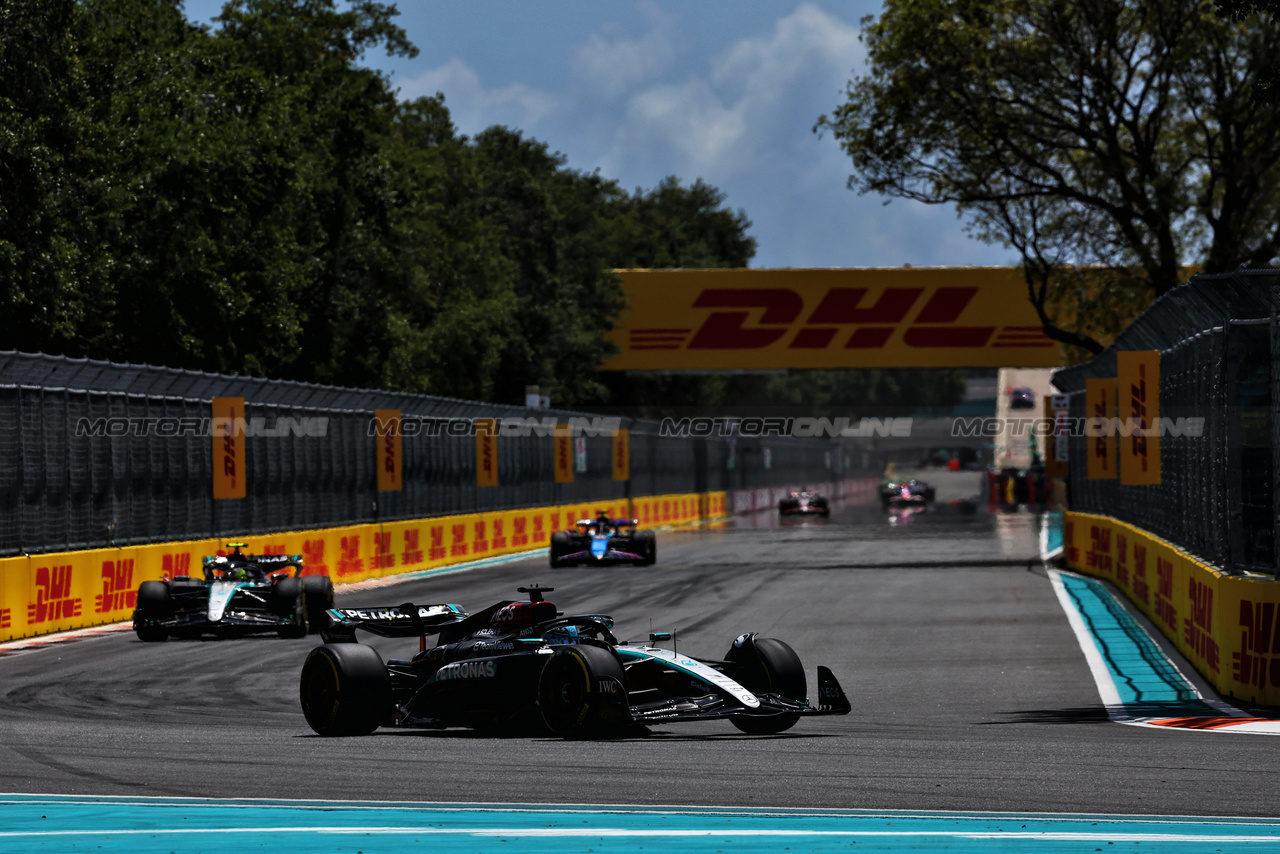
[
  {"x": 72, "y": 590},
  {"x": 1228, "y": 627}
]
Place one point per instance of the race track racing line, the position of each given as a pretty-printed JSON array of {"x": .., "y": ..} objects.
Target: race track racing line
[{"x": 41, "y": 823}]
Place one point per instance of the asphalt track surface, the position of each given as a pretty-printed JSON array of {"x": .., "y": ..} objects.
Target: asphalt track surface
[{"x": 970, "y": 692}]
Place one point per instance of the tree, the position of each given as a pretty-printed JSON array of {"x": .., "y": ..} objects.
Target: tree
[
  {"x": 1101, "y": 133},
  {"x": 676, "y": 226}
]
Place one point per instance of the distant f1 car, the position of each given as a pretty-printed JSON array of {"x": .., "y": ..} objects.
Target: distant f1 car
[
  {"x": 603, "y": 541},
  {"x": 240, "y": 594},
  {"x": 524, "y": 666},
  {"x": 908, "y": 493},
  {"x": 804, "y": 503}
]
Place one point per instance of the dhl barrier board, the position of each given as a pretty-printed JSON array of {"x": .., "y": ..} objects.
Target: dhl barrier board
[
  {"x": 1228, "y": 627},
  {"x": 72, "y": 590},
  {"x": 950, "y": 317}
]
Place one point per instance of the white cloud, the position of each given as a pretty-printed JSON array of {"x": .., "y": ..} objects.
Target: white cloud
[
  {"x": 607, "y": 67},
  {"x": 755, "y": 100},
  {"x": 474, "y": 107}
]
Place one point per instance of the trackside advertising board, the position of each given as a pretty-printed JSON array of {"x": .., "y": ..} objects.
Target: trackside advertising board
[
  {"x": 1228, "y": 627},
  {"x": 228, "y": 447},
  {"x": 829, "y": 318},
  {"x": 1100, "y": 403},
  {"x": 390, "y": 450},
  {"x": 71, "y": 590},
  {"x": 1138, "y": 398}
]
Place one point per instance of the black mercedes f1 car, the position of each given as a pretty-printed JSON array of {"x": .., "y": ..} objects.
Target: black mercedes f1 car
[
  {"x": 240, "y": 594},
  {"x": 523, "y": 665},
  {"x": 603, "y": 541}
]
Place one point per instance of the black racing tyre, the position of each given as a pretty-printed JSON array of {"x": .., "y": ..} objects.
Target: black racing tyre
[
  {"x": 291, "y": 604},
  {"x": 582, "y": 693},
  {"x": 152, "y": 604},
  {"x": 345, "y": 690},
  {"x": 768, "y": 666},
  {"x": 317, "y": 592},
  {"x": 648, "y": 547},
  {"x": 559, "y": 548}
]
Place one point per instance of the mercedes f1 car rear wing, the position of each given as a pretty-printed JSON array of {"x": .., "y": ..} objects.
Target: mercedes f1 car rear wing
[{"x": 392, "y": 621}]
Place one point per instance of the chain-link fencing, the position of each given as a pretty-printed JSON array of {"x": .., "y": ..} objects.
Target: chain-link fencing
[
  {"x": 99, "y": 454},
  {"x": 1217, "y": 496}
]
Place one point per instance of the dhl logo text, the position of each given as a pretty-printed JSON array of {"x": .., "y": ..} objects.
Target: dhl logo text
[
  {"x": 117, "y": 587},
  {"x": 53, "y": 596},
  {"x": 849, "y": 318}
]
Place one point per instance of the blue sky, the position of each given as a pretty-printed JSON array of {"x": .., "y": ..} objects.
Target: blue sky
[{"x": 723, "y": 90}]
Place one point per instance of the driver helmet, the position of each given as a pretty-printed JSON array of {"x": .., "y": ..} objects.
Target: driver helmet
[{"x": 562, "y": 634}]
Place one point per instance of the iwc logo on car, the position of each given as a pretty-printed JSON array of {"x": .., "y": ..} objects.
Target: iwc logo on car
[{"x": 467, "y": 670}]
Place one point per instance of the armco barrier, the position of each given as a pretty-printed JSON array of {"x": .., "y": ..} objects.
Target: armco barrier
[
  {"x": 1227, "y": 626},
  {"x": 71, "y": 590}
]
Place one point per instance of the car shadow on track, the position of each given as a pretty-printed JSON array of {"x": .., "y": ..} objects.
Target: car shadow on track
[
  {"x": 1080, "y": 715},
  {"x": 648, "y": 737}
]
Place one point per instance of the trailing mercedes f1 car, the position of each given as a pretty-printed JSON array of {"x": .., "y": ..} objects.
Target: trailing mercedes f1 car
[
  {"x": 524, "y": 665},
  {"x": 804, "y": 503},
  {"x": 240, "y": 594},
  {"x": 907, "y": 493},
  {"x": 603, "y": 541}
]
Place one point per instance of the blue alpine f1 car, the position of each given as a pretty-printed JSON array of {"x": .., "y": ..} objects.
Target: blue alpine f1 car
[
  {"x": 603, "y": 541},
  {"x": 525, "y": 666}
]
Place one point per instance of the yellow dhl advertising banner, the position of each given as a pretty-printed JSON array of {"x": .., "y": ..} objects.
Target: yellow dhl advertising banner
[
  {"x": 1228, "y": 627},
  {"x": 390, "y": 450},
  {"x": 486, "y": 451},
  {"x": 562, "y": 454},
  {"x": 71, "y": 590},
  {"x": 228, "y": 447},
  {"x": 1138, "y": 399},
  {"x": 622, "y": 455},
  {"x": 1100, "y": 409},
  {"x": 829, "y": 318}
]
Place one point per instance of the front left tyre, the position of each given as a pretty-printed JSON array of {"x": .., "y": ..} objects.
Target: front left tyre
[
  {"x": 152, "y": 605},
  {"x": 767, "y": 666},
  {"x": 345, "y": 689}
]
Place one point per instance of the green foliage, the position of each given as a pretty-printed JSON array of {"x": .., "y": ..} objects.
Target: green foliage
[
  {"x": 674, "y": 226},
  {"x": 1102, "y": 133},
  {"x": 250, "y": 200}
]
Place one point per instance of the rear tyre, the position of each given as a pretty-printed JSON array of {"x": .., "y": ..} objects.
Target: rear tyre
[
  {"x": 768, "y": 666},
  {"x": 152, "y": 604},
  {"x": 345, "y": 690},
  {"x": 291, "y": 605},
  {"x": 559, "y": 548},
  {"x": 648, "y": 547},
  {"x": 317, "y": 591},
  {"x": 582, "y": 693}
]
